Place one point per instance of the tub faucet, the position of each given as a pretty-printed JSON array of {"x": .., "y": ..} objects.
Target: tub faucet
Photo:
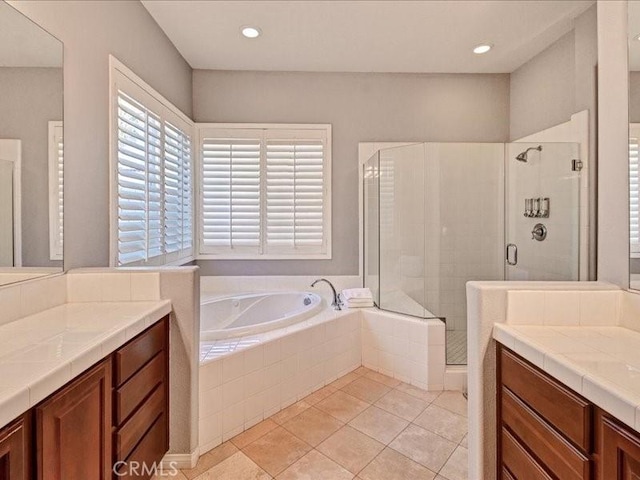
[{"x": 336, "y": 299}]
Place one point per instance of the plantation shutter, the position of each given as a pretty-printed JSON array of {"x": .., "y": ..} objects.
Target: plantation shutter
[
  {"x": 295, "y": 196},
  {"x": 634, "y": 189},
  {"x": 56, "y": 180},
  {"x": 230, "y": 195},
  {"x": 177, "y": 189}
]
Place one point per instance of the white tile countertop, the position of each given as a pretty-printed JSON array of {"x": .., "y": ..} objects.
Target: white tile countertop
[
  {"x": 600, "y": 363},
  {"x": 40, "y": 353}
]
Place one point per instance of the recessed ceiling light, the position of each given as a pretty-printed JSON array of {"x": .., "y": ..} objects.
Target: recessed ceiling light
[
  {"x": 482, "y": 48},
  {"x": 637, "y": 37},
  {"x": 250, "y": 32}
]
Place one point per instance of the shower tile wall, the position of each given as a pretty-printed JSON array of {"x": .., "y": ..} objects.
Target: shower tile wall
[{"x": 464, "y": 224}]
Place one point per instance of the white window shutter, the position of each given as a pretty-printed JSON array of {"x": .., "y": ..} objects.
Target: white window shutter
[
  {"x": 634, "y": 190},
  {"x": 56, "y": 181},
  {"x": 295, "y": 196},
  {"x": 230, "y": 195}
]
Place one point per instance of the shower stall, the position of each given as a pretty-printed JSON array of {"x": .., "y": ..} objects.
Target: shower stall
[{"x": 437, "y": 215}]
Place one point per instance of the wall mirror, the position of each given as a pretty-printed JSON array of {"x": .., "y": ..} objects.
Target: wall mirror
[
  {"x": 31, "y": 149},
  {"x": 634, "y": 144}
]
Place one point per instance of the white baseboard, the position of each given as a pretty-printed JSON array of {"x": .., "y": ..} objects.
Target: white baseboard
[{"x": 181, "y": 460}]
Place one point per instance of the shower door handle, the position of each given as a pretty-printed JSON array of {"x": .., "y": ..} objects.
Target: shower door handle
[{"x": 512, "y": 254}]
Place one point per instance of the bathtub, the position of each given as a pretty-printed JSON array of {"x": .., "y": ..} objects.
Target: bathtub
[{"x": 248, "y": 314}]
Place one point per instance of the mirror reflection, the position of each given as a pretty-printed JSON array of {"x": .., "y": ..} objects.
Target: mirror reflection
[{"x": 31, "y": 149}]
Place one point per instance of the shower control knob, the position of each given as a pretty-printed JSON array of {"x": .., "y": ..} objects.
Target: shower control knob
[{"x": 539, "y": 232}]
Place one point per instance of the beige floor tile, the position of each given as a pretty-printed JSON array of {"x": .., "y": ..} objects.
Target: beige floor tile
[
  {"x": 169, "y": 475},
  {"x": 384, "y": 379},
  {"x": 237, "y": 467},
  {"x": 362, "y": 371},
  {"x": 402, "y": 404},
  {"x": 443, "y": 422},
  {"x": 315, "y": 466},
  {"x": 457, "y": 467},
  {"x": 276, "y": 450},
  {"x": 424, "y": 447},
  {"x": 350, "y": 448},
  {"x": 391, "y": 465},
  {"x": 425, "y": 395},
  {"x": 379, "y": 424},
  {"x": 344, "y": 380},
  {"x": 342, "y": 406},
  {"x": 291, "y": 411},
  {"x": 453, "y": 401},
  {"x": 319, "y": 395},
  {"x": 313, "y": 426},
  {"x": 366, "y": 389},
  {"x": 254, "y": 433},
  {"x": 211, "y": 459}
]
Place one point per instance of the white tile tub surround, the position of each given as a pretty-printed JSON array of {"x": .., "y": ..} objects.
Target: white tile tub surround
[
  {"x": 245, "y": 380},
  {"x": 543, "y": 304},
  {"x": 411, "y": 350},
  {"x": 256, "y": 380},
  {"x": 215, "y": 286}
]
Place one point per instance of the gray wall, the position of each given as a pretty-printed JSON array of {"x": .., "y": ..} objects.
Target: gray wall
[
  {"x": 361, "y": 108},
  {"x": 90, "y": 32},
  {"x": 549, "y": 88},
  {"x": 30, "y": 98}
]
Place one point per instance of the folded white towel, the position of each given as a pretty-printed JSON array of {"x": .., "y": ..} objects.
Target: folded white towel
[
  {"x": 359, "y": 303},
  {"x": 360, "y": 293}
]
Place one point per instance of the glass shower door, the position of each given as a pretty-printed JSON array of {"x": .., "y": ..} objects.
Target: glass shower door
[{"x": 542, "y": 211}]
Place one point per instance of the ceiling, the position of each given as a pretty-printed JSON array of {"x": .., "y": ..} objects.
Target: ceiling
[
  {"x": 25, "y": 44},
  {"x": 433, "y": 36}
]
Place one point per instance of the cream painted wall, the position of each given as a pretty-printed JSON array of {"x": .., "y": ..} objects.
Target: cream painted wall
[
  {"x": 34, "y": 97},
  {"x": 361, "y": 107},
  {"x": 90, "y": 32}
]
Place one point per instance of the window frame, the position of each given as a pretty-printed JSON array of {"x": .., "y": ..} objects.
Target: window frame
[
  {"x": 122, "y": 78},
  {"x": 264, "y": 132}
]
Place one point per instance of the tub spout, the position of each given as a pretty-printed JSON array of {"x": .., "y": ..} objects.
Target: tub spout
[{"x": 336, "y": 299}]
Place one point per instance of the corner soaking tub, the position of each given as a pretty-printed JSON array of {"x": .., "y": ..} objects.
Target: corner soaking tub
[{"x": 248, "y": 314}]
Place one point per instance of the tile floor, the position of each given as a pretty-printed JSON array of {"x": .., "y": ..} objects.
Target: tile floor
[{"x": 364, "y": 425}]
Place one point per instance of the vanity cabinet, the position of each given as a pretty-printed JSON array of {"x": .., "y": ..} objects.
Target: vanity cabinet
[
  {"x": 73, "y": 429},
  {"x": 116, "y": 413},
  {"x": 15, "y": 450},
  {"x": 547, "y": 431},
  {"x": 618, "y": 450}
]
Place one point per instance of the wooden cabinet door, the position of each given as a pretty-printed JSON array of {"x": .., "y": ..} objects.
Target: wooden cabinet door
[
  {"x": 15, "y": 448},
  {"x": 74, "y": 429},
  {"x": 619, "y": 452}
]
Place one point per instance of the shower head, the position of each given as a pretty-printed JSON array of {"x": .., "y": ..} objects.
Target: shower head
[{"x": 522, "y": 157}]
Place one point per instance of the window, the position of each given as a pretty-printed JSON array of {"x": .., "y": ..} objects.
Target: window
[
  {"x": 56, "y": 169},
  {"x": 634, "y": 190},
  {"x": 152, "y": 181},
  {"x": 265, "y": 191}
]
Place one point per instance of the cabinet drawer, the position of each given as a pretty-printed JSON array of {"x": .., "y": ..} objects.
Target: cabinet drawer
[
  {"x": 558, "y": 455},
  {"x": 15, "y": 449},
  {"x": 136, "y": 389},
  {"x": 518, "y": 462},
  {"x": 135, "y": 428},
  {"x": 148, "y": 452},
  {"x": 135, "y": 354},
  {"x": 563, "y": 409}
]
